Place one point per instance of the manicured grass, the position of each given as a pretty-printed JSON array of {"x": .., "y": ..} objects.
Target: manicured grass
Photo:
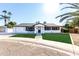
[
  {"x": 25, "y": 35},
  {"x": 65, "y": 38}
]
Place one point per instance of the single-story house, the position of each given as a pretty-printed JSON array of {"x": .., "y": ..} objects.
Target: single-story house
[
  {"x": 37, "y": 28},
  {"x": 33, "y": 28}
]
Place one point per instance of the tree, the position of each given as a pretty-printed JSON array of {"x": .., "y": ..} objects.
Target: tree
[
  {"x": 11, "y": 24},
  {"x": 69, "y": 15},
  {"x": 75, "y": 23},
  {"x": 74, "y": 15},
  {"x": 6, "y": 16}
]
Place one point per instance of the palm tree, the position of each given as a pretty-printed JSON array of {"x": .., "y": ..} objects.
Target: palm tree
[
  {"x": 6, "y": 16},
  {"x": 74, "y": 15},
  {"x": 75, "y": 24},
  {"x": 69, "y": 15},
  {"x": 9, "y": 14}
]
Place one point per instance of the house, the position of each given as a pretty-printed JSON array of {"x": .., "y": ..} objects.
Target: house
[{"x": 37, "y": 28}]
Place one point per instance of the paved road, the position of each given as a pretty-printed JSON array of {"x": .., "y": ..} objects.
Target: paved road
[
  {"x": 20, "y": 48},
  {"x": 26, "y": 46}
]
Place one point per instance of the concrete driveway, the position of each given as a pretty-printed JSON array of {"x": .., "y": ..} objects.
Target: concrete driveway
[
  {"x": 75, "y": 38},
  {"x": 5, "y": 35}
]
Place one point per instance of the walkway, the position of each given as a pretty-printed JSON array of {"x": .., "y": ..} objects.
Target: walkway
[{"x": 38, "y": 37}]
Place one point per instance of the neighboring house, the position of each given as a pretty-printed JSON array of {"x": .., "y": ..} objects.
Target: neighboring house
[{"x": 37, "y": 28}]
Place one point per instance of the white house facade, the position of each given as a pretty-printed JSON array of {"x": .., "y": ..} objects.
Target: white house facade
[{"x": 37, "y": 28}]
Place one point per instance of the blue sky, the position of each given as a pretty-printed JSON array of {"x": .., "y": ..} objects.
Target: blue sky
[{"x": 32, "y": 12}]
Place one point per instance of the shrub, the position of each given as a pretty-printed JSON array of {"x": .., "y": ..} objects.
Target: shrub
[{"x": 65, "y": 30}]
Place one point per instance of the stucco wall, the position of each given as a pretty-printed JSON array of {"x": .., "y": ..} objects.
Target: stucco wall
[
  {"x": 21, "y": 30},
  {"x": 52, "y": 31},
  {"x": 9, "y": 30},
  {"x": 41, "y": 28}
]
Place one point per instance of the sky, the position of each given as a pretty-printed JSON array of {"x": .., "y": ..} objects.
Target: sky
[
  {"x": 29, "y": 12},
  {"x": 32, "y": 12}
]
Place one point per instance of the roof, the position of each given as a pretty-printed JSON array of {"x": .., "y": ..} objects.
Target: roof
[
  {"x": 33, "y": 24},
  {"x": 25, "y": 24},
  {"x": 51, "y": 24}
]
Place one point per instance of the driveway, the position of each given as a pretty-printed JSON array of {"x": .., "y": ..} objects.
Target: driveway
[
  {"x": 12, "y": 46},
  {"x": 75, "y": 38},
  {"x": 5, "y": 35},
  {"x": 23, "y": 48}
]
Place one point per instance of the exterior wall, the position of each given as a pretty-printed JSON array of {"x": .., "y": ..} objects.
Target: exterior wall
[
  {"x": 21, "y": 30},
  {"x": 9, "y": 30},
  {"x": 39, "y": 27},
  {"x": 53, "y": 31}
]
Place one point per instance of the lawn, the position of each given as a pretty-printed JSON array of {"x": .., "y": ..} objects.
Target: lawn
[
  {"x": 25, "y": 35},
  {"x": 65, "y": 38}
]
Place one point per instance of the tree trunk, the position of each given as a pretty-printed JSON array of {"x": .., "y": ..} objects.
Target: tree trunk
[{"x": 5, "y": 22}]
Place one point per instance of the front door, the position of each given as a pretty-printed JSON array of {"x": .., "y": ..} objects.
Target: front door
[{"x": 39, "y": 31}]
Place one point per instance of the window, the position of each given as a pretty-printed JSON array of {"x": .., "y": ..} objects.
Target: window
[
  {"x": 51, "y": 28},
  {"x": 47, "y": 28},
  {"x": 55, "y": 28},
  {"x": 29, "y": 28}
]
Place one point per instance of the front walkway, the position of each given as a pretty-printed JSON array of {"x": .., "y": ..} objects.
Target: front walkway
[{"x": 38, "y": 37}]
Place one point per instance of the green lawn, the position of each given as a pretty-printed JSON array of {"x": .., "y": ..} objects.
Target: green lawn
[
  {"x": 25, "y": 35},
  {"x": 65, "y": 38}
]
